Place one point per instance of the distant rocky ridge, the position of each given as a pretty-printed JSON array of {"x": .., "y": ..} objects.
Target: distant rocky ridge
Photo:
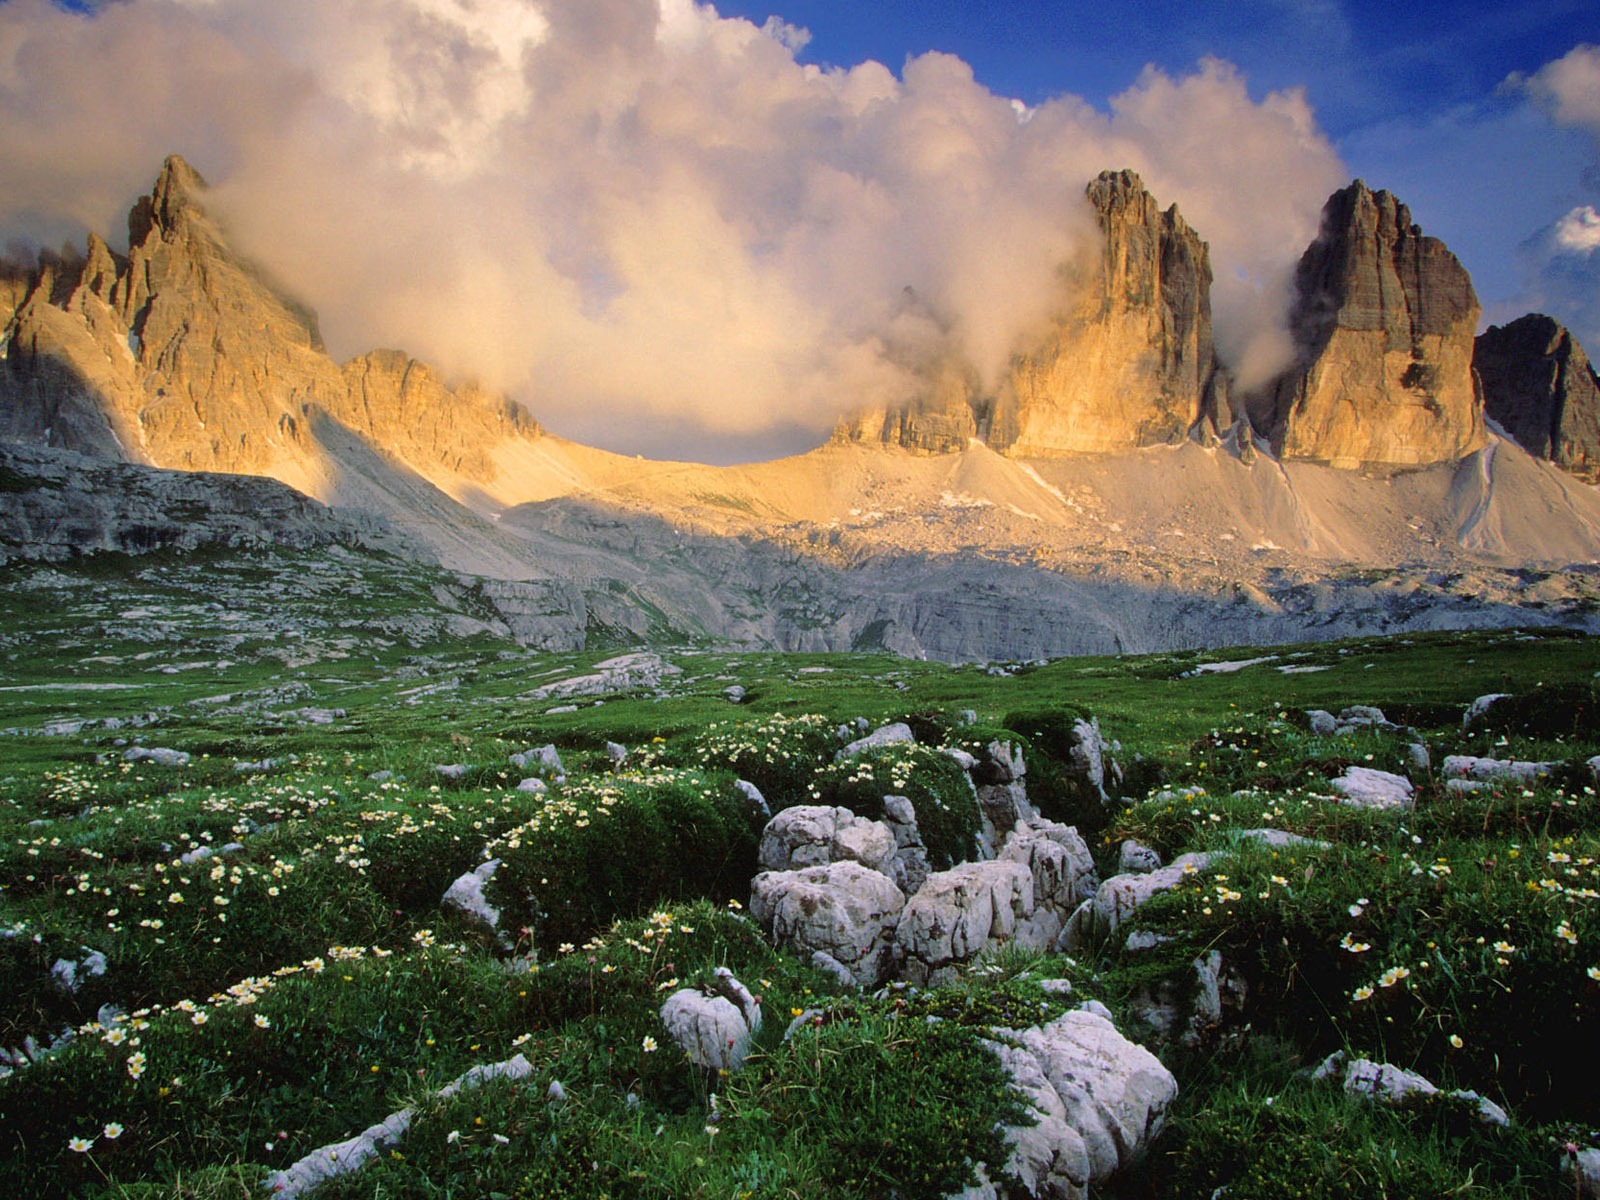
[
  {"x": 57, "y": 505},
  {"x": 962, "y": 527},
  {"x": 1540, "y": 387}
]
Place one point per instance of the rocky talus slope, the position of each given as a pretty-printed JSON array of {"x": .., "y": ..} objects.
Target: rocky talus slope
[
  {"x": 1383, "y": 323},
  {"x": 1541, "y": 388}
]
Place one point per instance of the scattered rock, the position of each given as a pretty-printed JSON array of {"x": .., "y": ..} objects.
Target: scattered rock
[
  {"x": 1389, "y": 1084},
  {"x": 1495, "y": 770},
  {"x": 201, "y": 853},
  {"x": 1120, "y": 896},
  {"x": 961, "y": 912},
  {"x": 1418, "y": 759},
  {"x": 713, "y": 1027},
  {"x": 1586, "y": 1167},
  {"x": 1354, "y": 719},
  {"x": 161, "y": 757},
  {"x": 545, "y": 759},
  {"x": 70, "y": 975},
  {"x": 909, "y": 868},
  {"x": 845, "y": 909},
  {"x": 252, "y": 768},
  {"x": 888, "y": 735},
  {"x": 753, "y": 794},
  {"x": 967, "y": 762},
  {"x": 1278, "y": 839},
  {"x": 1366, "y": 787},
  {"x": 1002, "y": 791},
  {"x": 533, "y": 784},
  {"x": 617, "y": 753},
  {"x": 1099, "y": 1101},
  {"x": 466, "y": 896},
  {"x": 1480, "y": 706},
  {"x": 734, "y": 694},
  {"x": 1087, "y": 758},
  {"x": 454, "y": 772},
  {"x": 814, "y": 835},
  {"x": 625, "y": 673},
  {"x": 1136, "y": 859},
  {"x": 341, "y": 1158}
]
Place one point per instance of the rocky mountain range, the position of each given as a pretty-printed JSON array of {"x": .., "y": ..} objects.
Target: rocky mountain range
[{"x": 1112, "y": 493}]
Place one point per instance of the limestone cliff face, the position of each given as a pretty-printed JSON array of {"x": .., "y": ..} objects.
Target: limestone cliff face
[
  {"x": 941, "y": 418},
  {"x": 403, "y": 405},
  {"x": 1383, "y": 324},
  {"x": 1131, "y": 362},
  {"x": 184, "y": 355},
  {"x": 1128, "y": 360}
]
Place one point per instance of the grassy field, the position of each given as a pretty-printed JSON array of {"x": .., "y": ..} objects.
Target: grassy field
[{"x": 262, "y": 965}]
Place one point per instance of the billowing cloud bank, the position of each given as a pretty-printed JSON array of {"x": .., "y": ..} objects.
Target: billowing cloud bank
[{"x": 649, "y": 222}]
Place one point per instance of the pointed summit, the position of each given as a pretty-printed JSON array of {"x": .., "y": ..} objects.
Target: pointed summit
[
  {"x": 173, "y": 198},
  {"x": 1131, "y": 363},
  {"x": 1383, "y": 323},
  {"x": 1127, "y": 361}
]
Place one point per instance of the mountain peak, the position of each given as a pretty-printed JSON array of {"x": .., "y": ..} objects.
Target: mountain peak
[
  {"x": 1382, "y": 321},
  {"x": 174, "y": 197}
]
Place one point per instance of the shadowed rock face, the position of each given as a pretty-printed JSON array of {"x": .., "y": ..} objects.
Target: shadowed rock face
[
  {"x": 1128, "y": 361},
  {"x": 1383, "y": 323},
  {"x": 1539, "y": 385}
]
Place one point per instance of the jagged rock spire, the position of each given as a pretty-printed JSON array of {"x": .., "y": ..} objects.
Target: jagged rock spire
[
  {"x": 1128, "y": 360},
  {"x": 1383, "y": 322}
]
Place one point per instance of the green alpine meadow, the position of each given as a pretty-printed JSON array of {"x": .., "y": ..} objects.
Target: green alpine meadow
[{"x": 232, "y": 811}]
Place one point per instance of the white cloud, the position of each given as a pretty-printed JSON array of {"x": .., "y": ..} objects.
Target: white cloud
[
  {"x": 1579, "y": 231},
  {"x": 1569, "y": 88},
  {"x": 638, "y": 216}
]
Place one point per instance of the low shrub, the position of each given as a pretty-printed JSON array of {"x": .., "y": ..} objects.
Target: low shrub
[
  {"x": 612, "y": 847},
  {"x": 1310, "y": 1141},
  {"x": 779, "y": 754}
]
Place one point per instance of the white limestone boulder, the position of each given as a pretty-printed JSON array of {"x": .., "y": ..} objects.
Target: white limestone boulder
[
  {"x": 1119, "y": 897},
  {"x": 713, "y": 1026},
  {"x": 1496, "y": 770},
  {"x": 1099, "y": 1099},
  {"x": 465, "y": 897},
  {"x": 961, "y": 912},
  {"x": 809, "y": 835},
  {"x": 1366, "y": 787},
  {"x": 844, "y": 909},
  {"x": 888, "y": 735}
]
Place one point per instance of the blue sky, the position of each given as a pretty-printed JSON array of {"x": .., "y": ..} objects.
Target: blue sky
[{"x": 1360, "y": 61}]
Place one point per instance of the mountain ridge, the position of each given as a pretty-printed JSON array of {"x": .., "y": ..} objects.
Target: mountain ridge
[{"x": 922, "y": 539}]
